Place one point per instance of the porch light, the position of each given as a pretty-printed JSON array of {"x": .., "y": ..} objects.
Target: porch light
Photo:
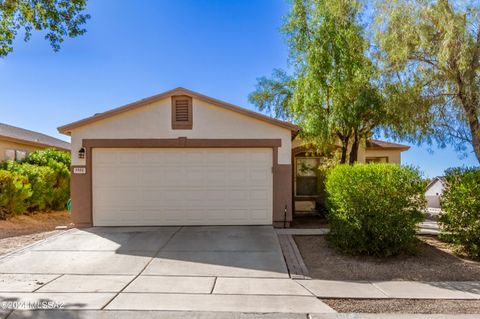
[{"x": 81, "y": 153}]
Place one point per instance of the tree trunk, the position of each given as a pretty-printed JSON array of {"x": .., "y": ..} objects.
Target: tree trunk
[
  {"x": 354, "y": 151},
  {"x": 470, "y": 99},
  {"x": 474, "y": 124},
  {"x": 471, "y": 105},
  {"x": 343, "y": 159},
  {"x": 344, "y": 140}
]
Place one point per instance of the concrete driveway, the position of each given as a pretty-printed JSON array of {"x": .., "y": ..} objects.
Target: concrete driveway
[{"x": 223, "y": 268}]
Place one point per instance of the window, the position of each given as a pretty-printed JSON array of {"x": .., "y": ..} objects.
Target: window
[
  {"x": 379, "y": 159},
  {"x": 17, "y": 155},
  {"x": 10, "y": 155},
  {"x": 306, "y": 179},
  {"x": 20, "y": 155},
  {"x": 182, "y": 112}
]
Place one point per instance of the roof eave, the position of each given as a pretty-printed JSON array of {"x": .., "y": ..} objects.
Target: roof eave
[
  {"x": 379, "y": 148},
  {"x": 32, "y": 143}
]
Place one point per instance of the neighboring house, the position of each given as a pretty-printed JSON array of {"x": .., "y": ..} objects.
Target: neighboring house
[
  {"x": 16, "y": 143},
  {"x": 182, "y": 158},
  {"x": 434, "y": 192}
]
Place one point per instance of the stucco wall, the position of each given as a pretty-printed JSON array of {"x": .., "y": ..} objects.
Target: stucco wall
[
  {"x": 394, "y": 156},
  {"x": 297, "y": 142},
  {"x": 4, "y": 145},
  {"x": 154, "y": 121}
]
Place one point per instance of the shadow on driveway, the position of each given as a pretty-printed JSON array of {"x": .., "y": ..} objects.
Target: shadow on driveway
[{"x": 237, "y": 251}]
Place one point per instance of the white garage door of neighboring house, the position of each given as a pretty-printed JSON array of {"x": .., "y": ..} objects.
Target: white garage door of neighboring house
[{"x": 142, "y": 187}]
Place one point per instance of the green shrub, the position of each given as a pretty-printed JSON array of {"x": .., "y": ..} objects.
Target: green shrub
[
  {"x": 42, "y": 180},
  {"x": 47, "y": 175},
  {"x": 47, "y": 156},
  {"x": 14, "y": 193},
  {"x": 374, "y": 209},
  {"x": 460, "y": 219},
  {"x": 325, "y": 167},
  {"x": 59, "y": 162}
]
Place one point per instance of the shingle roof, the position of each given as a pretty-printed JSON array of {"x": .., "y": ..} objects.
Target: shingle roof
[
  {"x": 377, "y": 144},
  {"x": 31, "y": 137}
]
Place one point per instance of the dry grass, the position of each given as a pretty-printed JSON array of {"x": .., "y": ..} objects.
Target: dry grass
[
  {"x": 404, "y": 306},
  {"x": 434, "y": 261},
  {"x": 23, "y": 230}
]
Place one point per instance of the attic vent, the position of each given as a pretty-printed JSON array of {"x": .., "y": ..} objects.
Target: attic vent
[{"x": 181, "y": 112}]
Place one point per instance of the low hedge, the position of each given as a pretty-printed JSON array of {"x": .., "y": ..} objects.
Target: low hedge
[
  {"x": 42, "y": 180},
  {"x": 45, "y": 177},
  {"x": 460, "y": 218},
  {"x": 14, "y": 192},
  {"x": 374, "y": 209}
]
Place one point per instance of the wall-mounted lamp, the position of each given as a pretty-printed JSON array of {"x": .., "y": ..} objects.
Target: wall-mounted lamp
[{"x": 81, "y": 153}]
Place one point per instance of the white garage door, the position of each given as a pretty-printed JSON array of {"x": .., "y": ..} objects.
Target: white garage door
[{"x": 139, "y": 187}]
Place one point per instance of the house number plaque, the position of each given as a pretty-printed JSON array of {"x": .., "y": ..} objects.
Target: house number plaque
[{"x": 79, "y": 170}]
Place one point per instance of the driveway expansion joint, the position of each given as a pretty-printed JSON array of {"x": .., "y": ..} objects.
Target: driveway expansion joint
[{"x": 143, "y": 269}]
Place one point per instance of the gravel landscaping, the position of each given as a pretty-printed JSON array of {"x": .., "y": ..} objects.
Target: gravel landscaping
[
  {"x": 434, "y": 261},
  {"x": 309, "y": 221},
  {"x": 412, "y": 306},
  {"x": 26, "y": 229}
]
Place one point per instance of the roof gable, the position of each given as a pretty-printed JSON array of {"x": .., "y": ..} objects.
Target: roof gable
[
  {"x": 438, "y": 179},
  {"x": 66, "y": 129}
]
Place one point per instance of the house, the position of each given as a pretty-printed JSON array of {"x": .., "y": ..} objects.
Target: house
[
  {"x": 16, "y": 143},
  {"x": 434, "y": 192},
  {"x": 183, "y": 158}
]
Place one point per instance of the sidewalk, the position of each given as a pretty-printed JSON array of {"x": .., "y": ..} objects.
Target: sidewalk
[
  {"x": 428, "y": 227},
  {"x": 102, "y": 314},
  {"x": 392, "y": 289}
]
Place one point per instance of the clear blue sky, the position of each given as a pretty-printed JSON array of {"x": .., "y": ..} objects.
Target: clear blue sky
[{"x": 134, "y": 49}]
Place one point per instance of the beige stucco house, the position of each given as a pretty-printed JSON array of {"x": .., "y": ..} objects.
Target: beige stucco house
[
  {"x": 16, "y": 143},
  {"x": 183, "y": 158}
]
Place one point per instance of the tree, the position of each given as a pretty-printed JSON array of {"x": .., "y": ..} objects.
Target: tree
[
  {"x": 332, "y": 94},
  {"x": 430, "y": 51},
  {"x": 60, "y": 18}
]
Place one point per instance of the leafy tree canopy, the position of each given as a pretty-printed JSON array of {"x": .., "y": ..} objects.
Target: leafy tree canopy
[
  {"x": 332, "y": 94},
  {"x": 430, "y": 55},
  {"x": 60, "y": 18}
]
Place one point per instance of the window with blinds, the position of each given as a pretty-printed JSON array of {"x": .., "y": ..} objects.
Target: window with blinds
[{"x": 182, "y": 113}]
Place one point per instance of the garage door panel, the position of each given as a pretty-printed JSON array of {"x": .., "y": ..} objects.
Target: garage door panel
[
  {"x": 182, "y": 187},
  {"x": 194, "y": 176},
  {"x": 215, "y": 177},
  {"x": 117, "y": 177},
  {"x": 130, "y": 196},
  {"x": 258, "y": 158},
  {"x": 128, "y": 157},
  {"x": 153, "y": 176},
  {"x": 105, "y": 158}
]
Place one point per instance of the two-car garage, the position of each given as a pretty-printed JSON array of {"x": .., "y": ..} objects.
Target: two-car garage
[{"x": 193, "y": 186}]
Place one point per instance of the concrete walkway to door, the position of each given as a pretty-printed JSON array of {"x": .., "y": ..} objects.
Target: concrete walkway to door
[{"x": 214, "y": 268}]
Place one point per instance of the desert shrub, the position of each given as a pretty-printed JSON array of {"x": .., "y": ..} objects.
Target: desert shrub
[
  {"x": 14, "y": 192},
  {"x": 460, "y": 218},
  {"x": 47, "y": 157},
  {"x": 59, "y": 162},
  {"x": 42, "y": 180},
  {"x": 374, "y": 209}
]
